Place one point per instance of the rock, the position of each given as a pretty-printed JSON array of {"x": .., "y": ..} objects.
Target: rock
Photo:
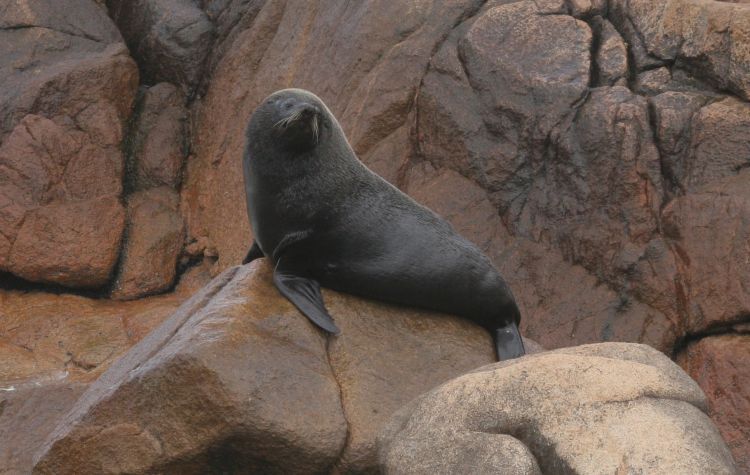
[
  {"x": 611, "y": 55},
  {"x": 591, "y": 409},
  {"x": 546, "y": 286},
  {"x": 152, "y": 245},
  {"x": 75, "y": 244},
  {"x": 169, "y": 39},
  {"x": 45, "y": 336},
  {"x": 490, "y": 99},
  {"x": 721, "y": 366},
  {"x": 673, "y": 115},
  {"x": 720, "y": 142},
  {"x": 653, "y": 81},
  {"x": 709, "y": 231},
  {"x": 695, "y": 34},
  {"x": 157, "y": 144},
  {"x": 68, "y": 85},
  {"x": 238, "y": 364},
  {"x": 27, "y": 414},
  {"x": 599, "y": 200}
]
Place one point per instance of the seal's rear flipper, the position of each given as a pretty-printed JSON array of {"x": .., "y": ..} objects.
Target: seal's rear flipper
[
  {"x": 305, "y": 295},
  {"x": 508, "y": 342},
  {"x": 253, "y": 253}
]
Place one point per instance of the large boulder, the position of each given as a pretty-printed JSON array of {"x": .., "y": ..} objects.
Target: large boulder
[
  {"x": 238, "y": 379},
  {"x": 604, "y": 408},
  {"x": 68, "y": 86}
]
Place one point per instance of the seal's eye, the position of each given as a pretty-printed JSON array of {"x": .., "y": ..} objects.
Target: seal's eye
[{"x": 287, "y": 105}]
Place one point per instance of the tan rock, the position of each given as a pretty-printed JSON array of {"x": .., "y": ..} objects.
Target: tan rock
[
  {"x": 153, "y": 243},
  {"x": 606, "y": 408},
  {"x": 721, "y": 366}
]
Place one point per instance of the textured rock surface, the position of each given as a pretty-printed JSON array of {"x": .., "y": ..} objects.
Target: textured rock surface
[
  {"x": 157, "y": 144},
  {"x": 721, "y": 366},
  {"x": 169, "y": 39},
  {"x": 68, "y": 85},
  {"x": 44, "y": 336},
  {"x": 606, "y": 408},
  {"x": 237, "y": 377},
  {"x": 28, "y": 414},
  {"x": 153, "y": 243}
]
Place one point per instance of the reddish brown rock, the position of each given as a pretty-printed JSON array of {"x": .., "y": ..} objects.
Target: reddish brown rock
[
  {"x": 74, "y": 244},
  {"x": 720, "y": 142},
  {"x": 153, "y": 243},
  {"x": 46, "y": 336},
  {"x": 710, "y": 232},
  {"x": 157, "y": 145},
  {"x": 673, "y": 114},
  {"x": 68, "y": 85},
  {"x": 721, "y": 366}
]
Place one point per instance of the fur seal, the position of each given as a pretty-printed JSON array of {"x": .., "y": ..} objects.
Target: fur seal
[{"x": 325, "y": 219}]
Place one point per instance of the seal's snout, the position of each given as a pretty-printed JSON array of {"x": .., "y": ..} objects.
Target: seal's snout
[{"x": 308, "y": 110}]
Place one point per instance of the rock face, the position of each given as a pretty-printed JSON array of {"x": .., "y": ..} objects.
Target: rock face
[
  {"x": 154, "y": 241},
  {"x": 238, "y": 378},
  {"x": 604, "y": 408},
  {"x": 68, "y": 85},
  {"x": 721, "y": 366}
]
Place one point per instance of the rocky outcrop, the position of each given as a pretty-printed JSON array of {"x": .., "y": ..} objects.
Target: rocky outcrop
[
  {"x": 605, "y": 408},
  {"x": 237, "y": 377}
]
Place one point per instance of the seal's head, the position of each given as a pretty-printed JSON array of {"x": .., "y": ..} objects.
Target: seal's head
[{"x": 291, "y": 119}]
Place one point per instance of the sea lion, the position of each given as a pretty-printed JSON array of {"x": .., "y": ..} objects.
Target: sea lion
[{"x": 325, "y": 219}]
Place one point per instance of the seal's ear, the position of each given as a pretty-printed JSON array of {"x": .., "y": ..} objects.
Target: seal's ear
[{"x": 305, "y": 294}]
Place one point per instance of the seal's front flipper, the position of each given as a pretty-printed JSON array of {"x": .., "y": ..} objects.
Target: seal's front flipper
[
  {"x": 508, "y": 342},
  {"x": 253, "y": 253},
  {"x": 305, "y": 294}
]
